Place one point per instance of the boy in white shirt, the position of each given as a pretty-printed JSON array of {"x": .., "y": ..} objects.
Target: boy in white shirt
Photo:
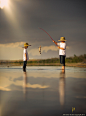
[
  {"x": 25, "y": 56},
  {"x": 62, "y": 51}
]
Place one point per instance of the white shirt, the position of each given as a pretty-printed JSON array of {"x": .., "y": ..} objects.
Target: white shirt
[
  {"x": 25, "y": 52},
  {"x": 62, "y": 45}
]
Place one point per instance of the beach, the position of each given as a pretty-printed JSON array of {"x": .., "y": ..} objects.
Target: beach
[{"x": 42, "y": 91}]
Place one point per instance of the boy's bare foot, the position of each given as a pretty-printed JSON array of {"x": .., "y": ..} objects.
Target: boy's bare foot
[{"x": 63, "y": 67}]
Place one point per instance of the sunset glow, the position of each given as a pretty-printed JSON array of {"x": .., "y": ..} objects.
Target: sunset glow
[{"x": 3, "y": 3}]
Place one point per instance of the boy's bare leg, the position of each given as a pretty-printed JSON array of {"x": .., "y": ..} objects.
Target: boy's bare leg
[{"x": 63, "y": 67}]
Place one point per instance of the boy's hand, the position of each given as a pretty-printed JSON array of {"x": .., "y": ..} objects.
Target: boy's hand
[{"x": 58, "y": 47}]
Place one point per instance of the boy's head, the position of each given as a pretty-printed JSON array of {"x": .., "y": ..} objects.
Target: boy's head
[
  {"x": 62, "y": 39},
  {"x": 26, "y": 45}
]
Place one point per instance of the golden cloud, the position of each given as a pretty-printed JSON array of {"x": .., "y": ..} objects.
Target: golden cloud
[
  {"x": 67, "y": 47},
  {"x": 47, "y": 48},
  {"x": 35, "y": 51},
  {"x": 16, "y": 44}
]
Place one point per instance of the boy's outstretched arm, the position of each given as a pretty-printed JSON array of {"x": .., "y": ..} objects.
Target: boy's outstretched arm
[{"x": 55, "y": 42}]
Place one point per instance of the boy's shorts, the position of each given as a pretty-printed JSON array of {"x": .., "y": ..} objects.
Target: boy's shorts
[
  {"x": 24, "y": 66},
  {"x": 62, "y": 60}
]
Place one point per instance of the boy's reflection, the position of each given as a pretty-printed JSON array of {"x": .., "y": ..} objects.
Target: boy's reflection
[
  {"x": 24, "y": 83},
  {"x": 62, "y": 87}
]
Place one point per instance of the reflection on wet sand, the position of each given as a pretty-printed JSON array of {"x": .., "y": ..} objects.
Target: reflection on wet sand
[
  {"x": 62, "y": 87},
  {"x": 24, "y": 83},
  {"x": 39, "y": 92}
]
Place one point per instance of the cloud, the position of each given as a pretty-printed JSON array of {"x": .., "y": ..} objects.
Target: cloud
[
  {"x": 47, "y": 48},
  {"x": 13, "y": 45},
  {"x": 35, "y": 51},
  {"x": 67, "y": 47}
]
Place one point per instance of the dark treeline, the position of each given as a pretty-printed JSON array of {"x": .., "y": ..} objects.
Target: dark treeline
[{"x": 74, "y": 59}]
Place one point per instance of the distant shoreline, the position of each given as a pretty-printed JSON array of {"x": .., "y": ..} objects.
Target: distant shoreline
[
  {"x": 76, "y": 61},
  {"x": 83, "y": 65}
]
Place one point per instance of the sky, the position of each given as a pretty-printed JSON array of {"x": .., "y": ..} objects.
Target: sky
[{"x": 19, "y": 22}]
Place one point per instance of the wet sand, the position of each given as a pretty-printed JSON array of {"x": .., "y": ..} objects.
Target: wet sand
[
  {"x": 42, "y": 91},
  {"x": 82, "y": 65}
]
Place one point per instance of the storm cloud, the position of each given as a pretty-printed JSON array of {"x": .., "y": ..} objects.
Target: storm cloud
[{"x": 59, "y": 18}]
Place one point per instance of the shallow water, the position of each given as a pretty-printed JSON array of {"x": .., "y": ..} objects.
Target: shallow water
[{"x": 42, "y": 91}]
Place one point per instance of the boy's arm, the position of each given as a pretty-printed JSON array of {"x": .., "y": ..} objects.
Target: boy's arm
[
  {"x": 25, "y": 56},
  {"x": 61, "y": 48},
  {"x": 55, "y": 42}
]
